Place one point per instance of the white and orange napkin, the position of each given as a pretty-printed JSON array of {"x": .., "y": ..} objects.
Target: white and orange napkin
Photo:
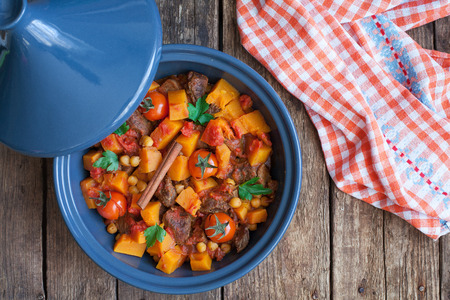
[{"x": 379, "y": 101}]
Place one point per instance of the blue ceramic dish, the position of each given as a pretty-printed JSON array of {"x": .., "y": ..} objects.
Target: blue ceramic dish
[{"x": 87, "y": 226}]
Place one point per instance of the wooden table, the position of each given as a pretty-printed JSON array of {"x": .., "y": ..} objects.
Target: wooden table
[{"x": 336, "y": 247}]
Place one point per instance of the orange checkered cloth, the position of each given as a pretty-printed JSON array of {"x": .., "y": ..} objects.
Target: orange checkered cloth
[{"x": 380, "y": 102}]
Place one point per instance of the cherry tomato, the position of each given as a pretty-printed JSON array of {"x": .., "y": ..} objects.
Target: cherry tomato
[
  {"x": 196, "y": 165},
  {"x": 114, "y": 208},
  {"x": 220, "y": 227},
  {"x": 161, "y": 106}
]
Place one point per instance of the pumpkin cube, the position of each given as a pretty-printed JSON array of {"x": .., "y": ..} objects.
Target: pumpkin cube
[
  {"x": 254, "y": 122},
  {"x": 117, "y": 181},
  {"x": 151, "y": 158},
  {"x": 112, "y": 144},
  {"x": 171, "y": 260},
  {"x": 178, "y": 105},
  {"x": 256, "y": 216},
  {"x": 203, "y": 184},
  {"x": 87, "y": 185},
  {"x": 232, "y": 111},
  {"x": 141, "y": 176},
  {"x": 150, "y": 214},
  {"x": 154, "y": 86},
  {"x": 239, "y": 128},
  {"x": 159, "y": 248},
  {"x": 188, "y": 143},
  {"x": 258, "y": 152},
  {"x": 179, "y": 169},
  {"x": 134, "y": 208},
  {"x": 200, "y": 261},
  {"x": 241, "y": 212},
  {"x": 90, "y": 158},
  {"x": 165, "y": 132},
  {"x": 126, "y": 245},
  {"x": 189, "y": 200},
  {"x": 222, "y": 93},
  {"x": 138, "y": 236},
  {"x": 223, "y": 155}
]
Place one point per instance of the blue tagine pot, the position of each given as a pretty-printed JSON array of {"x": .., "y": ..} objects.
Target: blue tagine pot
[
  {"x": 71, "y": 72},
  {"x": 68, "y": 67}
]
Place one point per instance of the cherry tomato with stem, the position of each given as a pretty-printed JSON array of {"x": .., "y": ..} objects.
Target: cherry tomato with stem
[
  {"x": 111, "y": 205},
  {"x": 202, "y": 164},
  {"x": 220, "y": 227},
  {"x": 154, "y": 106}
]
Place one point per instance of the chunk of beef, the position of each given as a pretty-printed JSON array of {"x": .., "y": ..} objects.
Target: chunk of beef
[
  {"x": 236, "y": 146},
  {"x": 197, "y": 84},
  {"x": 139, "y": 123},
  {"x": 178, "y": 222},
  {"x": 263, "y": 174},
  {"x": 241, "y": 238},
  {"x": 212, "y": 109},
  {"x": 171, "y": 84},
  {"x": 211, "y": 205},
  {"x": 198, "y": 235},
  {"x": 243, "y": 172},
  {"x": 166, "y": 192}
]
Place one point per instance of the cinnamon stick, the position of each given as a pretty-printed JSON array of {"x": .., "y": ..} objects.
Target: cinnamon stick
[{"x": 172, "y": 153}]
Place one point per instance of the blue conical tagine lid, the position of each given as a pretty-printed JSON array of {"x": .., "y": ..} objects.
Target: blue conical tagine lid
[{"x": 72, "y": 72}]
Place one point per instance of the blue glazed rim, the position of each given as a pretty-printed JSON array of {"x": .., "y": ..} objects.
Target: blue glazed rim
[{"x": 250, "y": 259}]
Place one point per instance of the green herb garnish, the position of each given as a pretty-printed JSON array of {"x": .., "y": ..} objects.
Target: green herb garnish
[
  {"x": 203, "y": 163},
  {"x": 108, "y": 161},
  {"x": 154, "y": 233},
  {"x": 249, "y": 188},
  {"x": 219, "y": 228},
  {"x": 122, "y": 129},
  {"x": 147, "y": 104},
  {"x": 102, "y": 199},
  {"x": 197, "y": 112}
]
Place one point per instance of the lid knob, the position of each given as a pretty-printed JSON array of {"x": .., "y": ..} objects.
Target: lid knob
[{"x": 11, "y": 11}]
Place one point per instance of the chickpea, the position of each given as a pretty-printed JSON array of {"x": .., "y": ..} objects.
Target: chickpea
[
  {"x": 132, "y": 180},
  {"x": 133, "y": 189},
  {"x": 230, "y": 181},
  {"x": 252, "y": 227},
  {"x": 212, "y": 246},
  {"x": 125, "y": 160},
  {"x": 201, "y": 247},
  {"x": 146, "y": 141},
  {"x": 235, "y": 202},
  {"x": 111, "y": 228},
  {"x": 179, "y": 188},
  {"x": 265, "y": 201},
  {"x": 256, "y": 202},
  {"x": 226, "y": 248},
  {"x": 141, "y": 185},
  {"x": 134, "y": 161}
]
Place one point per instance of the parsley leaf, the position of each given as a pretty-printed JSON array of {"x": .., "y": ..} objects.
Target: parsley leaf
[
  {"x": 154, "y": 233},
  {"x": 122, "y": 129},
  {"x": 203, "y": 163},
  {"x": 249, "y": 188},
  {"x": 102, "y": 199},
  {"x": 197, "y": 112},
  {"x": 147, "y": 104},
  {"x": 108, "y": 161}
]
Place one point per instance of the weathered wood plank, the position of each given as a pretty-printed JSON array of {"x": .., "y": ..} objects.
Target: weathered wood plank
[
  {"x": 357, "y": 249},
  {"x": 21, "y": 215},
  {"x": 411, "y": 258},
  {"x": 299, "y": 267},
  {"x": 442, "y": 38},
  {"x": 186, "y": 22},
  {"x": 71, "y": 274}
]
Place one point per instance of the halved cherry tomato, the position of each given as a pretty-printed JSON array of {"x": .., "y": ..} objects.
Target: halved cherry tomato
[
  {"x": 113, "y": 208},
  {"x": 160, "y": 106},
  {"x": 220, "y": 227},
  {"x": 202, "y": 168}
]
